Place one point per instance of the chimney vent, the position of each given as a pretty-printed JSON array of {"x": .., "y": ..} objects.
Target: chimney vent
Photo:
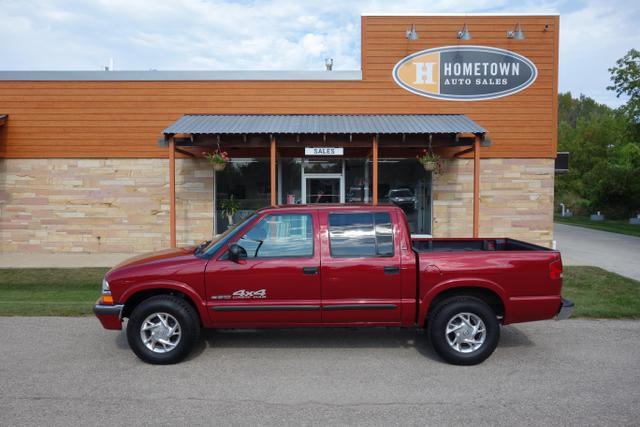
[{"x": 328, "y": 63}]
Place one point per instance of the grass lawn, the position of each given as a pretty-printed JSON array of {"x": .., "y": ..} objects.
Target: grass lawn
[
  {"x": 73, "y": 291},
  {"x": 49, "y": 291},
  {"x": 613, "y": 226},
  {"x": 599, "y": 293}
]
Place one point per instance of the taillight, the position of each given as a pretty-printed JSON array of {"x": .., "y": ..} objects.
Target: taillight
[{"x": 555, "y": 270}]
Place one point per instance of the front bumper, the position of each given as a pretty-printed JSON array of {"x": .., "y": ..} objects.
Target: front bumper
[
  {"x": 566, "y": 309},
  {"x": 109, "y": 315}
]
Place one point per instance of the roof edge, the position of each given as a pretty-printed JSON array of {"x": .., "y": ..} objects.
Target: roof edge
[
  {"x": 155, "y": 75},
  {"x": 238, "y": 124},
  {"x": 458, "y": 14}
]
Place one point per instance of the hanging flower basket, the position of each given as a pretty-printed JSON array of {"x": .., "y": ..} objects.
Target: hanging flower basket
[
  {"x": 430, "y": 166},
  {"x": 218, "y": 159},
  {"x": 219, "y": 167},
  {"x": 429, "y": 161}
]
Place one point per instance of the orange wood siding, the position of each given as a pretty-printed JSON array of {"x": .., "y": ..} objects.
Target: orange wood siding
[{"x": 125, "y": 118}]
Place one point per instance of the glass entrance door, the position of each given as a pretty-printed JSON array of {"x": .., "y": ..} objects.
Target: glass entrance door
[{"x": 323, "y": 188}]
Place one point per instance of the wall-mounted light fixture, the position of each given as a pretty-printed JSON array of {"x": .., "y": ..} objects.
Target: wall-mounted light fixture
[
  {"x": 464, "y": 33},
  {"x": 517, "y": 33},
  {"x": 411, "y": 33}
]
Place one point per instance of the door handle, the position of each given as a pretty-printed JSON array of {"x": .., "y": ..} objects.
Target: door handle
[
  {"x": 391, "y": 269},
  {"x": 310, "y": 270}
]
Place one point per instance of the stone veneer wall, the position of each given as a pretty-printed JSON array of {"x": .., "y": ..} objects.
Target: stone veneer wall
[
  {"x": 121, "y": 205},
  {"x": 112, "y": 205},
  {"x": 516, "y": 199}
]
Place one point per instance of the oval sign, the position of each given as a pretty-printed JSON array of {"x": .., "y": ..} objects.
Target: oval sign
[{"x": 465, "y": 73}]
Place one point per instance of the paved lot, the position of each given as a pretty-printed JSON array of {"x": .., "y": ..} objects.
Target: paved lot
[
  {"x": 61, "y": 371},
  {"x": 614, "y": 252}
]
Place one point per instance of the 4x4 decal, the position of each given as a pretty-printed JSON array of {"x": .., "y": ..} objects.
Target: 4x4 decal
[{"x": 244, "y": 294}]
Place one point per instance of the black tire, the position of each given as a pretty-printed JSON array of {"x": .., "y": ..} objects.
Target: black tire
[
  {"x": 445, "y": 312},
  {"x": 181, "y": 311}
]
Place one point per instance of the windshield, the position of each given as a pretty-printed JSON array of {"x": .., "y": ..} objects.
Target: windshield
[
  {"x": 400, "y": 193},
  {"x": 221, "y": 239}
]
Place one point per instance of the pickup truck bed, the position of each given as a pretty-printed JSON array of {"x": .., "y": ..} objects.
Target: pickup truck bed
[
  {"x": 512, "y": 269},
  {"x": 469, "y": 245}
]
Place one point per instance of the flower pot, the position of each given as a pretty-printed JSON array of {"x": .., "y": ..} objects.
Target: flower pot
[
  {"x": 219, "y": 167},
  {"x": 430, "y": 166}
]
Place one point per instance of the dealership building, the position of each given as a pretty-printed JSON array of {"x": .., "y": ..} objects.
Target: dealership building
[{"x": 114, "y": 161}]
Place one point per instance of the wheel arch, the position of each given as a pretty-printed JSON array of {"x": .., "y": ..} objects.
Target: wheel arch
[
  {"x": 487, "y": 292},
  {"x": 134, "y": 296}
]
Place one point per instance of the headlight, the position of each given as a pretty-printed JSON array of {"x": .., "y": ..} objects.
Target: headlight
[{"x": 105, "y": 287}]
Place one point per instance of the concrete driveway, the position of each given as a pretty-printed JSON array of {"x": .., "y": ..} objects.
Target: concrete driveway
[
  {"x": 61, "y": 371},
  {"x": 614, "y": 252}
]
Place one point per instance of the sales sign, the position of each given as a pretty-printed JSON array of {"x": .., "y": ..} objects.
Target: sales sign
[
  {"x": 323, "y": 151},
  {"x": 465, "y": 73}
]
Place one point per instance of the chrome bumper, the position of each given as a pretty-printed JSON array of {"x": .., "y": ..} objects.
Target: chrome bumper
[{"x": 566, "y": 308}]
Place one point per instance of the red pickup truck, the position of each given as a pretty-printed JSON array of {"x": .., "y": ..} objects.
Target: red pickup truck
[{"x": 333, "y": 265}]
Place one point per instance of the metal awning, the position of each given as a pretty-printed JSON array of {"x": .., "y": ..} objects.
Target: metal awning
[{"x": 324, "y": 124}]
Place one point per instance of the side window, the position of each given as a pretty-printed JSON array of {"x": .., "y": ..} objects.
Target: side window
[
  {"x": 286, "y": 235},
  {"x": 384, "y": 234},
  {"x": 355, "y": 235}
]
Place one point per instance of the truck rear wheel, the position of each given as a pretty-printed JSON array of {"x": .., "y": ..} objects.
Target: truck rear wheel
[
  {"x": 163, "y": 330},
  {"x": 464, "y": 330}
]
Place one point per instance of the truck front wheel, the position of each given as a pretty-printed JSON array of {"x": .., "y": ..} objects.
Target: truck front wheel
[
  {"x": 464, "y": 330},
  {"x": 163, "y": 329}
]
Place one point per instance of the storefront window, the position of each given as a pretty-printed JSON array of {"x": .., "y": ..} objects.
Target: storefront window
[
  {"x": 405, "y": 183},
  {"x": 303, "y": 180},
  {"x": 322, "y": 166},
  {"x": 247, "y": 179},
  {"x": 358, "y": 180},
  {"x": 289, "y": 174},
  {"x": 402, "y": 182}
]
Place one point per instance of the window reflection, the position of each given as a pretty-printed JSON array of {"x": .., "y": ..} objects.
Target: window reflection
[
  {"x": 247, "y": 180},
  {"x": 357, "y": 235},
  {"x": 286, "y": 235},
  {"x": 405, "y": 183}
]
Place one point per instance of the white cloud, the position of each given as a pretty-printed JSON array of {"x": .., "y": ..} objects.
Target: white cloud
[
  {"x": 592, "y": 38},
  {"x": 276, "y": 34}
]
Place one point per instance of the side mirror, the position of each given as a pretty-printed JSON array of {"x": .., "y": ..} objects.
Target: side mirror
[{"x": 236, "y": 252}]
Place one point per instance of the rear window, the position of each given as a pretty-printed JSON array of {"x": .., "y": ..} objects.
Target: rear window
[{"x": 363, "y": 234}]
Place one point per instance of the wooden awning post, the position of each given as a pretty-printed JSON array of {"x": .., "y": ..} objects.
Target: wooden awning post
[
  {"x": 172, "y": 191},
  {"x": 272, "y": 167},
  {"x": 476, "y": 185},
  {"x": 374, "y": 167},
  {"x": 215, "y": 203}
]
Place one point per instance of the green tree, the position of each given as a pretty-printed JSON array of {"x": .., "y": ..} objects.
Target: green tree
[
  {"x": 626, "y": 81},
  {"x": 604, "y": 163},
  {"x": 604, "y": 146},
  {"x": 619, "y": 187},
  {"x": 570, "y": 109}
]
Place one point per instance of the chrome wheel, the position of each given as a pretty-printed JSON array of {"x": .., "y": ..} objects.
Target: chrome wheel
[
  {"x": 465, "y": 332},
  {"x": 160, "y": 332}
]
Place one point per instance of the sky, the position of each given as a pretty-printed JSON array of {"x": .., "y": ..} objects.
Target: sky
[{"x": 279, "y": 34}]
